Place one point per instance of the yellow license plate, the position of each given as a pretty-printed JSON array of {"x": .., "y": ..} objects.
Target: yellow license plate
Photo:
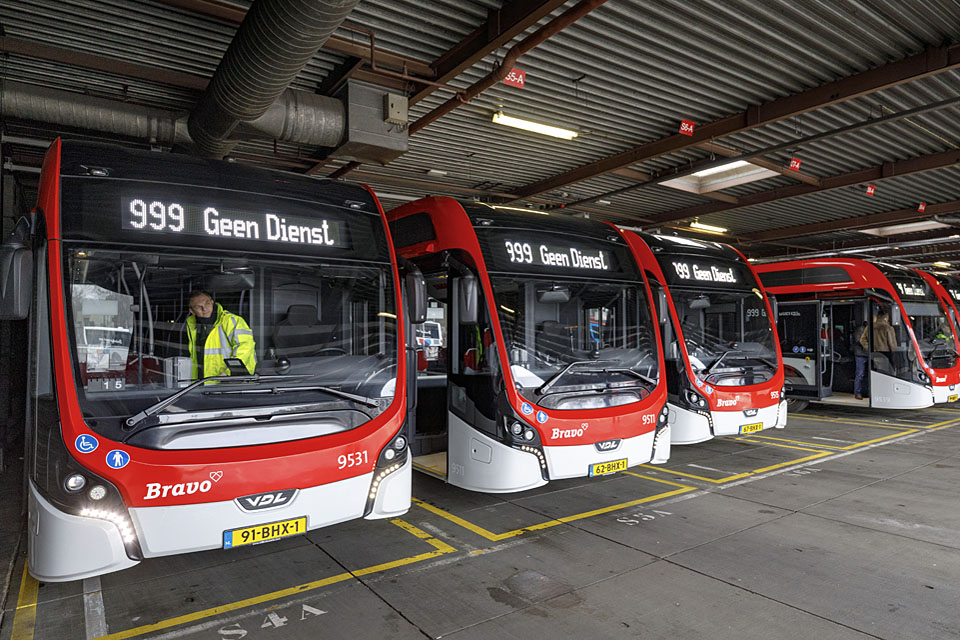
[
  {"x": 751, "y": 428},
  {"x": 952, "y": 398},
  {"x": 264, "y": 532},
  {"x": 604, "y": 468}
]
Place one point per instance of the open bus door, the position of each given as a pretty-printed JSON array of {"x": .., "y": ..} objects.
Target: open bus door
[{"x": 806, "y": 367}]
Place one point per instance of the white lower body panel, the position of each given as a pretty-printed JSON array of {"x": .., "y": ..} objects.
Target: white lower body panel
[
  {"x": 690, "y": 427},
  {"x": 574, "y": 461},
  {"x": 888, "y": 392},
  {"x": 62, "y": 547},
  {"x": 479, "y": 463},
  {"x": 943, "y": 393}
]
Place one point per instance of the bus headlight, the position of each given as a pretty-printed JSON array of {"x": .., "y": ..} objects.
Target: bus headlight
[
  {"x": 75, "y": 482},
  {"x": 695, "y": 399}
]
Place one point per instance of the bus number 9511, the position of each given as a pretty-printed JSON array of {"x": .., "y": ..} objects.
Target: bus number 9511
[{"x": 352, "y": 459}]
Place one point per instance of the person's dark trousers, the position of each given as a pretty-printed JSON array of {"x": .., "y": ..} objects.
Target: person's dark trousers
[{"x": 858, "y": 378}]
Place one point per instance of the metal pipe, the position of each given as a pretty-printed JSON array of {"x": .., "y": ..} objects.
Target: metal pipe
[{"x": 274, "y": 43}]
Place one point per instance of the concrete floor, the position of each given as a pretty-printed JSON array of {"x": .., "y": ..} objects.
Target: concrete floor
[{"x": 843, "y": 525}]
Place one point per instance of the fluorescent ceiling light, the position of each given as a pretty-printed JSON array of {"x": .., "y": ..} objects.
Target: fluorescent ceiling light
[
  {"x": 707, "y": 227},
  {"x": 536, "y": 127},
  {"x": 945, "y": 265},
  {"x": 910, "y": 227},
  {"x": 724, "y": 167},
  {"x": 437, "y": 173}
]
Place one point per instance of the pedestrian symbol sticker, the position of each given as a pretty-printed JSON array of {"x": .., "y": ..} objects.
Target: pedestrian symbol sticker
[
  {"x": 118, "y": 459},
  {"x": 86, "y": 444},
  {"x": 541, "y": 417},
  {"x": 527, "y": 408}
]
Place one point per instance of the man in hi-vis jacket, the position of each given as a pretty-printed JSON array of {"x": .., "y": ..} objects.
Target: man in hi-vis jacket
[{"x": 219, "y": 334}]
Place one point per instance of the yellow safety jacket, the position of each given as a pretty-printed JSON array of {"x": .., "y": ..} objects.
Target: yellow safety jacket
[{"x": 229, "y": 337}]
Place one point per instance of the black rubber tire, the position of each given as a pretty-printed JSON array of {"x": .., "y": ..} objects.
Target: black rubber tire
[{"x": 793, "y": 404}]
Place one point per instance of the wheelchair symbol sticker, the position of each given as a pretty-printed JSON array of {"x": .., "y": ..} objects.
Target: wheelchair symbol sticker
[
  {"x": 118, "y": 459},
  {"x": 86, "y": 444},
  {"x": 541, "y": 417},
  {"x": 526, "y": 408}
]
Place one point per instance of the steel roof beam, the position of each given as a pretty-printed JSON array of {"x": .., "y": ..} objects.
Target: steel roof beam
[
  {"x": 884, "y": 219},
  {"x": 922, "y": 65},
  {"x": 872, "y": 174},
  {"x": 502, "y": 26},
  {"x": 101, "y": 63}
]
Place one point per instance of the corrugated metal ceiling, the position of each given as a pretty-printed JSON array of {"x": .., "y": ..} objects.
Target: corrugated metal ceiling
[{"x": 622, "y": 76}]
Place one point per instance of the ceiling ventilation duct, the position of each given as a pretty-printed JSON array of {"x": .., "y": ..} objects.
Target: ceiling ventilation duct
[
  {"x": 953, "y": 221},
  {"x": 274, "y": 42}
]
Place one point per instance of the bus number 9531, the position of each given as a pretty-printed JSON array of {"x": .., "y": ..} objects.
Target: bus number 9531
[{"x": 352, "y": 459}]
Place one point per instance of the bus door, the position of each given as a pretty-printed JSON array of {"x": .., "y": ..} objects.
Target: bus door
[
  {"x": 844, "y": 323},
  {"x": 799, "y": 325},
  {"x": 428, "y": 443}
]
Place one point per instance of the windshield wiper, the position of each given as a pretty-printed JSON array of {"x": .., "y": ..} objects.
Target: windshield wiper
[
  {"x": 595, "y": 366},
  {"x": 743, "y": 355},
  {"x": 156, "y": 408},
  {"x": 559, "y": 374},
  {"x": 370, "y": 402}
]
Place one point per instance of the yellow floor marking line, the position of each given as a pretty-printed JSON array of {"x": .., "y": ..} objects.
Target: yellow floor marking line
[
  {"x": 496, "y": 537},
  {"x": 854, "y": 421},
  {"x": 849, "y": 447},
  {"x": 25, "y": 616},
  {"x": 752, "y": 440},
  {"x": 738, "y": 476},
  {"x": 440, "y": 548}
]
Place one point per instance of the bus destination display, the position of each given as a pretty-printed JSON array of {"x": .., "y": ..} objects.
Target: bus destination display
[
  {"x": 151, "y": 215},
  {"x": 681, "y": 271},
  {"x": 547, "y": 255}
]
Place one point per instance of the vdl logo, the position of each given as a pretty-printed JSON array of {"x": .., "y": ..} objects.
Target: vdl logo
[
  {"x": 266, "y": 500},
  {"x": 607, "y": 445}
]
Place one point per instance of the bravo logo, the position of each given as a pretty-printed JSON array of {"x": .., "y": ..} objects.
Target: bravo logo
[
  {"x": 157, "y": 490},
  {"x": 570, "y": 433},
  {"x": 943, "y": 379},
  {"x": 728, "y": 403}
]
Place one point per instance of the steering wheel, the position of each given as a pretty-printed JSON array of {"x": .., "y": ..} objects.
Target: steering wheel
[{"x": 339, "y": 350}]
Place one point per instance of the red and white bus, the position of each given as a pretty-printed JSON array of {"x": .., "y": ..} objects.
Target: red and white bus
[
  {"x": 723, "y": 366},
  {"x": 129, "y": 457},
  {"x": 836, "y": 316},
  {"x": 937, "y": 336},
  {"x": 550, "y": 366}
]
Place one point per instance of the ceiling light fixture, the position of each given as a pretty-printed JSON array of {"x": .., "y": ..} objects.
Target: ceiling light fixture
[
  {"x": 535, "y": 127},
  {"x": 707, "y": 227},
  {"x": 736, "y": 164},
  {"x": 945, "y": 265}
]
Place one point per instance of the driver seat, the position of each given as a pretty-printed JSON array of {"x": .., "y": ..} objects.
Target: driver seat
[{"x": 298, "y": 333}]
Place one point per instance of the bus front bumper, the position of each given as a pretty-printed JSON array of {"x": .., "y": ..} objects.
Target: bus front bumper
[{"x": 690, "y": 427}]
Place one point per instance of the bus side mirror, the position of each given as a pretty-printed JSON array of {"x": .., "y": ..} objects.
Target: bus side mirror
[
  {"x": 895, "y": 316},
  {"x": 16, "y": 281},
  {"x": 773, "y": 308},
  {"x": 467, "y": 299},
  {"x": 416, "y": 290}
]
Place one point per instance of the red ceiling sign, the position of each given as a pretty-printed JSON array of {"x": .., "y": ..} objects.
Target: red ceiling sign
[
  {"x": 795, "y": 164},
  {"x": 516, "y": 78},
  {"x": 871, "y": 189},
  {"x": 686, "y": 127},
  {"x": 922, "y": 207}
]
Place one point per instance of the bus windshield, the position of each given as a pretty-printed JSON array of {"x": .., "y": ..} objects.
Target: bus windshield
[
  {"x": 577, "y": 344},
  {"x": 310, "y": 337},
  {"x": 728, "y": 335},
  {"x": 933, "y": 330}
]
